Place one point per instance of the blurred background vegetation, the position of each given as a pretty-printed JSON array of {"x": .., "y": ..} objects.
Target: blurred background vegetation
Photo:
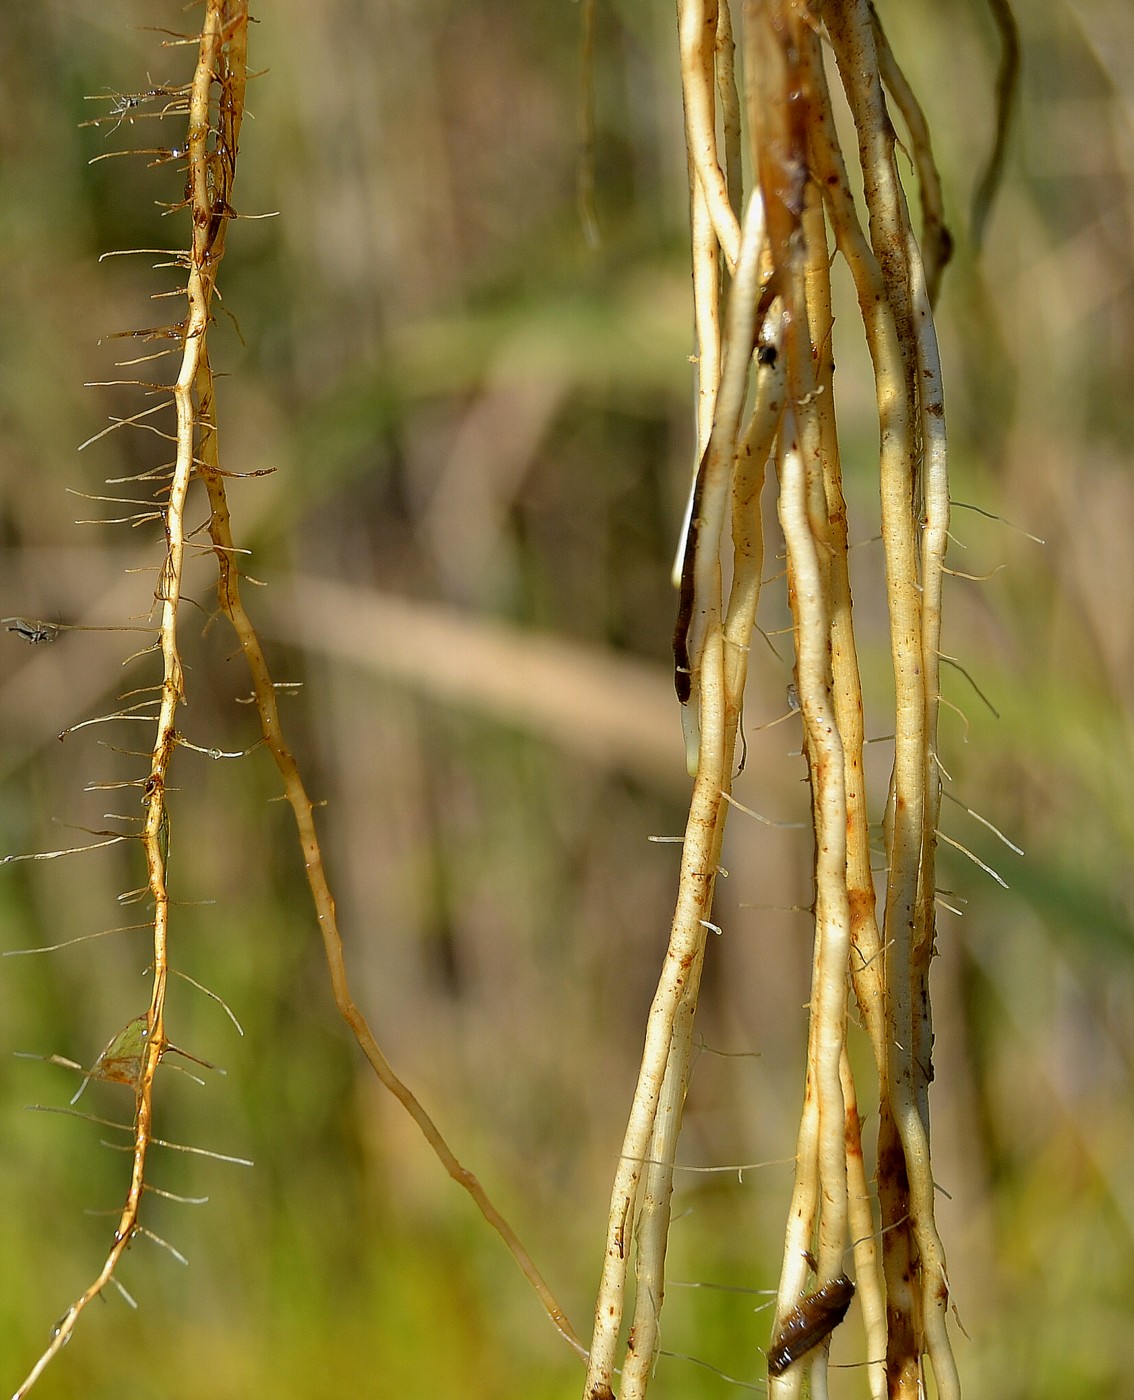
[{"x": 480, "y": 432}]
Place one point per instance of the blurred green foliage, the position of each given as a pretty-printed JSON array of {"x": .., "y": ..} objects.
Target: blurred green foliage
[{"x": 464, "y": 406}]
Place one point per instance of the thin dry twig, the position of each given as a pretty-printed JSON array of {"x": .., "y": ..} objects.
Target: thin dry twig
[{"x": 264, "y": 691}]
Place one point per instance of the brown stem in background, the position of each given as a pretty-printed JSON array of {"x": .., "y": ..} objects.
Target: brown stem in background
[
  {"x": 1007, "y": 88},
  {"x": 228, "y": 594}
]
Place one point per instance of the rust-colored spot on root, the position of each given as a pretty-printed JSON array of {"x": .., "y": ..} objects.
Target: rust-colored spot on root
[
  {"x": 861, "y": 905},
  {"x": 852, "y": 1133}
]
